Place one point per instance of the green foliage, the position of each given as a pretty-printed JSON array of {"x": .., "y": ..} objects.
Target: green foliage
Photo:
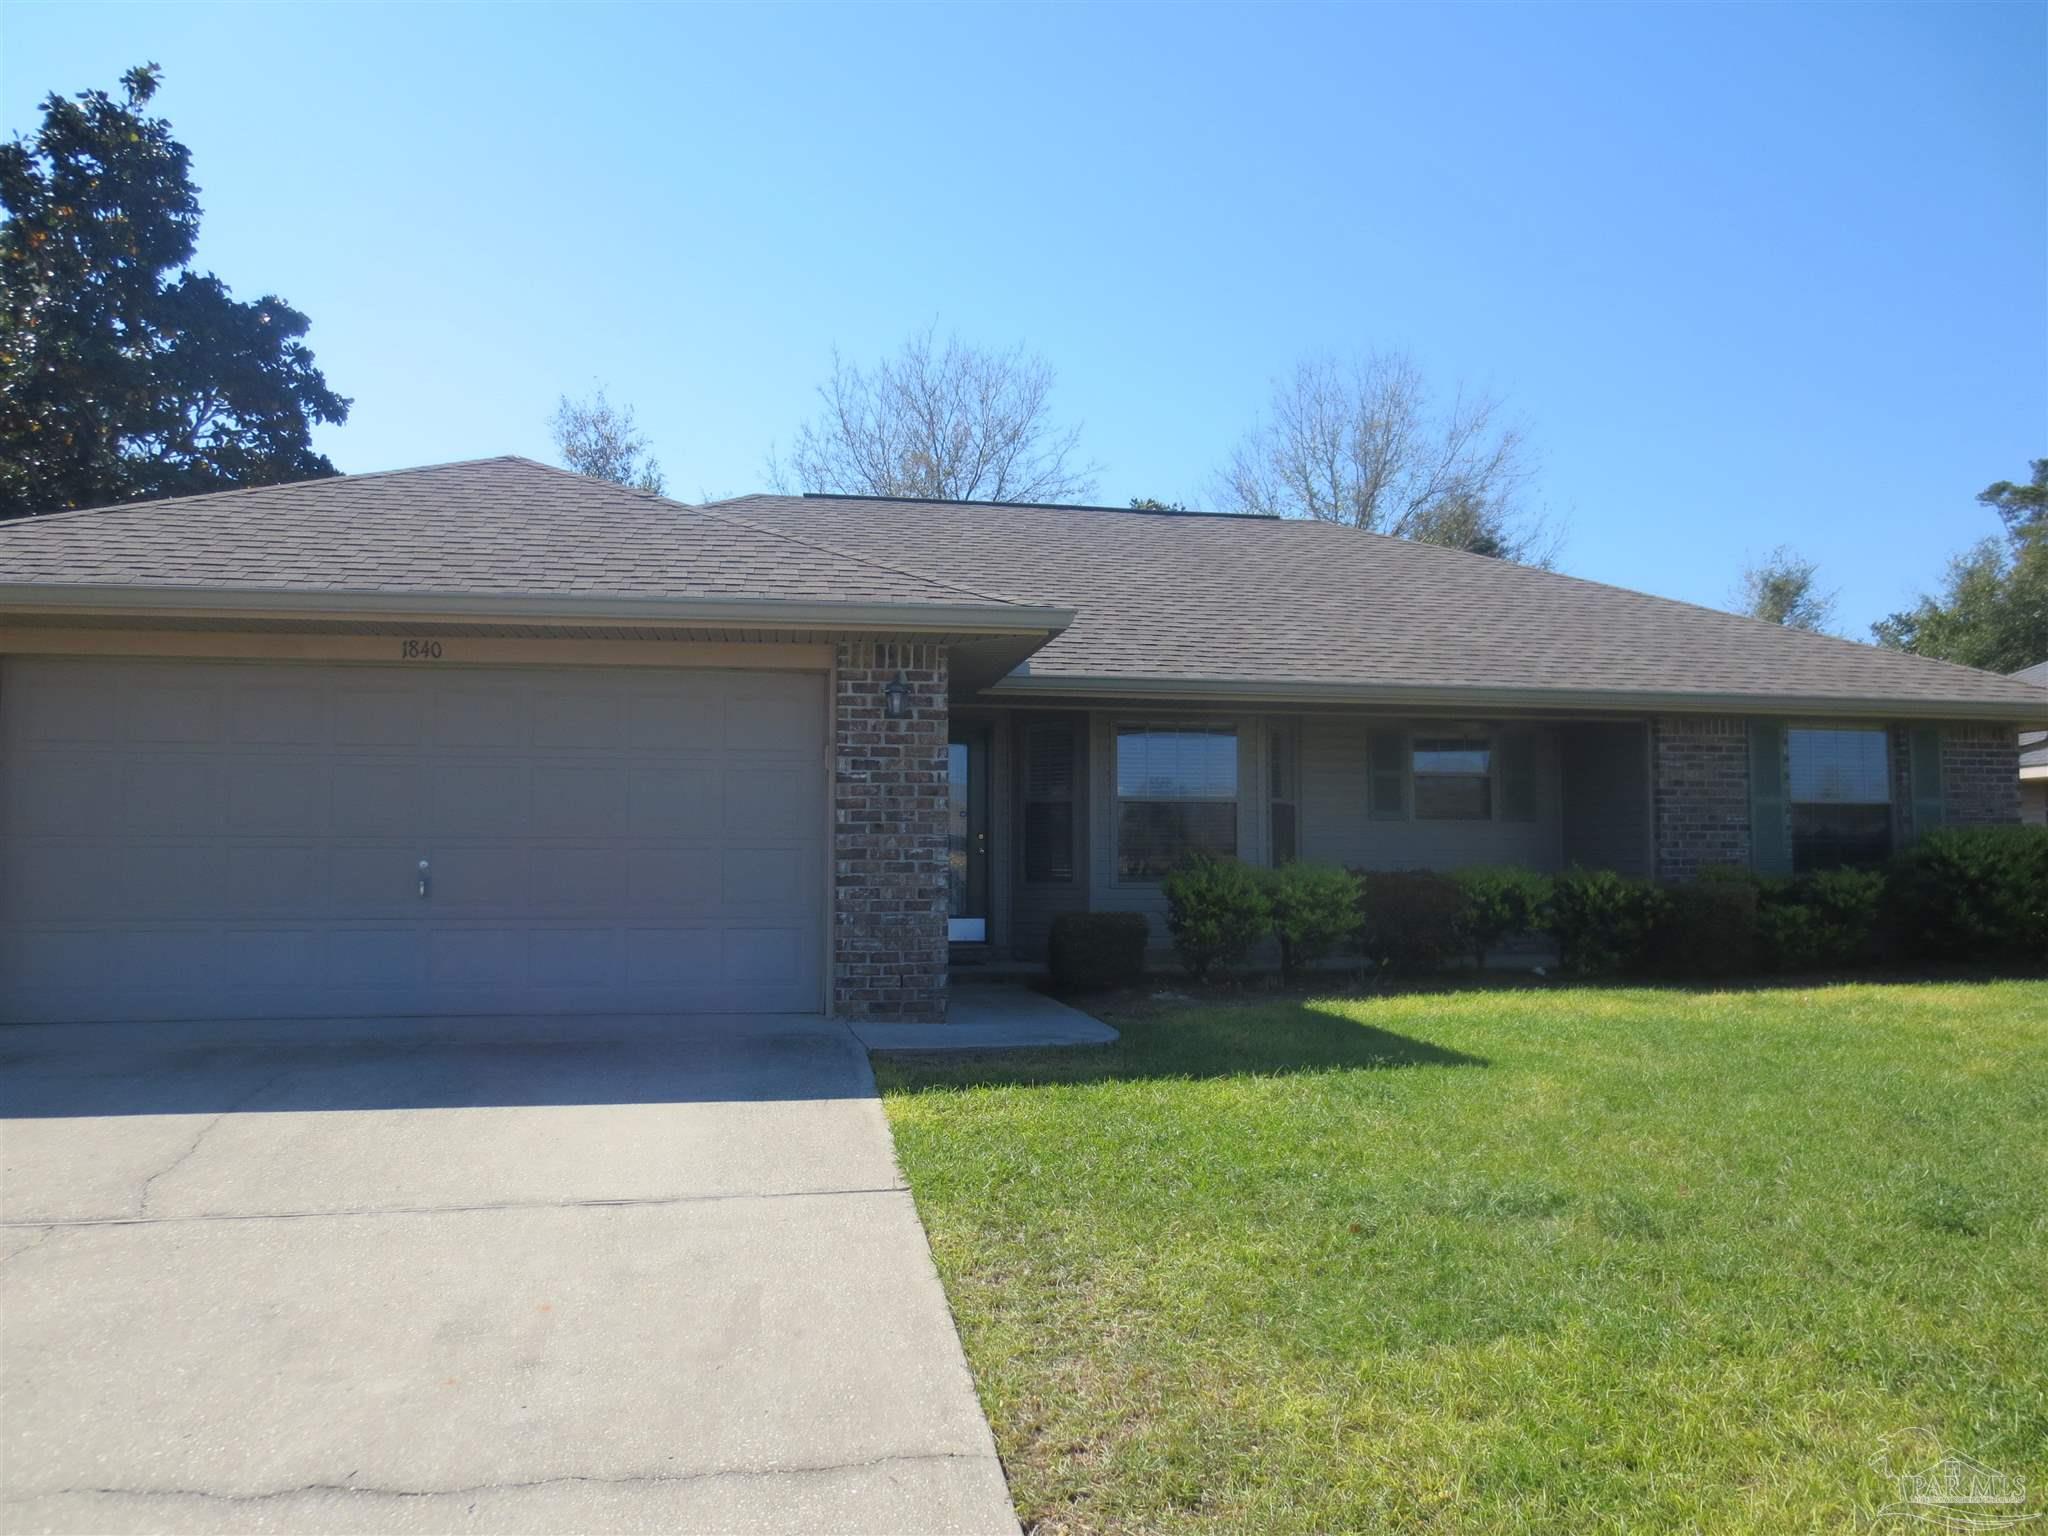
[
  {"x": 1993, "y": 609},
  {"x": 1821, "y": 922},
  {"x": 1412, "y": 919},
  {"x": 1784, "y": 588},
  {"x": 1217, "y": 911},
  {"x": 1499, "y": 903},
  {"x": 1097, "y": 951},
  {"x": 1707, "y": 928},
  {"x": 122, "y": 375},
  {"x": 1315, "y": 908},
  {"x": 1602, "y": 921},
  {"x": 1972, "y": 894}
]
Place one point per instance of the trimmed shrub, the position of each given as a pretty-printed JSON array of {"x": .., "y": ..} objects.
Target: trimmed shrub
[
  {"x": 1499, "y": 902},
  {"x": 1823, "y": 922},
  {"x": 1315, "y": 908},
  {"x": 1410, "y": 919},
  {"x": 1972, "y": 893},
  {"x": 1705, "y": 928},
  {"x": 1217, "y": 911},
  {"x": 1602, "y": 921},
  {"x": 1095, "y": 951}
]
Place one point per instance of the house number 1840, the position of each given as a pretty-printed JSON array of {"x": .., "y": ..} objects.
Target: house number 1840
[{"x": 419, "y": 650}]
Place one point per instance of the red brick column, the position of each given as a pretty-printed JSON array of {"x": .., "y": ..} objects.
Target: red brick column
[
  {"x": 1699, "y": 767},
  {"x": 1980, "y": 774},
  {"x": 889, "y": 807}
]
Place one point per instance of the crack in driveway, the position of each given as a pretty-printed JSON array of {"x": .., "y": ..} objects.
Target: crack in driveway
[
  {"x": 623, "y": 1479},
  {"x": 149, "y": 1184}
]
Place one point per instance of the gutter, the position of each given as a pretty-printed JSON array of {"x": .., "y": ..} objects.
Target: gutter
[
  {"x": 993, "y": 618},
  {"x": 1478, "y": 699}
]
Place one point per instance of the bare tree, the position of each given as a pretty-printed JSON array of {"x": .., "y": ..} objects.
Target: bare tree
[
  {"x": 1783, "y": 588},
  {"x": 939, "y": 419},
  {"x": 1360, "y": 442},
  {"x": 601, "y": 440}
]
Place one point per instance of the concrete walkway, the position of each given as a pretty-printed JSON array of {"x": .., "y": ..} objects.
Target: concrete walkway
[
  {"x": 570, "y": 1275},
  {"x": 983, "y": 1016}
]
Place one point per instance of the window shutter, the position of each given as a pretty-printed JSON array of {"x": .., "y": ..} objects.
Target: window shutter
[
  {"x": 1049, "y": 804},
  {"x": 1926, "y": 778},
  {"x": 1518, "y": 776},
  {"x": 1387, "y": 775},
  {"x": 1770, "y": 847}
]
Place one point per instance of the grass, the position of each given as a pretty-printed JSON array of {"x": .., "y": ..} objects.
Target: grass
[{"x": 1514, "y": 1260}]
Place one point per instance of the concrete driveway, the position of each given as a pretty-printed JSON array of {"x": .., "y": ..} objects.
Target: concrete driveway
[{"x": 581, "y": 1275}]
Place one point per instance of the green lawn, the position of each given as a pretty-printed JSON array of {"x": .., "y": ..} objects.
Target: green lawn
[{"x": 1520, "y": 1259}]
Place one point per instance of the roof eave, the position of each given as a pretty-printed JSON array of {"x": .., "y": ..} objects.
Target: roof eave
[
  {"x": 1481, "y": 699},
  {"x": 43, "y": 598}
]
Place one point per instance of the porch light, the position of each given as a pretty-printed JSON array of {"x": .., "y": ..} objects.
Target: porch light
[{"x": 896, "y": 698}]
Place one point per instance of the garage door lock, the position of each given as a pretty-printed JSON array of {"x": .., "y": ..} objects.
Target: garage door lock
[{"x": 423, "y": 878}]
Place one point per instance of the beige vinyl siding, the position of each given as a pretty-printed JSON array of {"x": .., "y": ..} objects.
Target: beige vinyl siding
[
  {"x": 1606, "y": 795},
  {"x": 1335, "y": 828}
]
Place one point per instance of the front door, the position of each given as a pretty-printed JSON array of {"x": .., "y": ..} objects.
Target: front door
[{"x": 967, "y": 835}]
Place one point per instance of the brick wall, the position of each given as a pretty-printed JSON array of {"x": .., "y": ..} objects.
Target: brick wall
[
  {"x": 1699, "y": 769},
  {"x": 1980, "y": 773},
  {"x": 889, "y": 808}
]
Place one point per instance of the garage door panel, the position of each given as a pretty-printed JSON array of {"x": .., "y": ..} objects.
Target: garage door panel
[
  {"x": 181, "y": 839},
  {"x": 373, "y": 715},
  {"x": 388, "y": 958},
  {"x": 372, "y": 797},
  {"x": 579, "y": 799},
  {"x": 375, "y": 879},
  {"x": 766, "y": 876},
  {"x": 158, "y": 712},
  {"x": 254, "y": 958},
  {"x": 171, "y": 795},
  {"x": 63, "y": 791},
  {"x": 469, "y": 716},
  {"x": 672, "y": 880},
  {"x": 278, "y": 715},
  {"x": 284, "y": 795},
  {"x": 680, "y": 800},
  {"x": 277, "y": 879},
  {"x": 480, "y": 796}
]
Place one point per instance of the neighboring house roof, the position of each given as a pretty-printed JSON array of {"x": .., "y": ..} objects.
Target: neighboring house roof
[
  {"x": 1166, "y": 599},
  {"x": 2034, "y": 744},
  {"x": 489, "y": 532},
  {"x": 1168, "y": 604}
]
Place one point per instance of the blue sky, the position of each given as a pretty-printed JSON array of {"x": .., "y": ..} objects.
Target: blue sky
[{"x": 1751, "y": 274}]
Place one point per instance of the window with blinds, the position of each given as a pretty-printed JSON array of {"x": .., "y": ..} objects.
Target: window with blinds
[
  {"x": 1176, "y": 789},
  {"x": 1838, "y": 780},
  {"x": 1048, "y": 798}
]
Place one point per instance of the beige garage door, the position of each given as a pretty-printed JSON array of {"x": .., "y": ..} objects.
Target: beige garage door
[{"x": 189, "y": 840}]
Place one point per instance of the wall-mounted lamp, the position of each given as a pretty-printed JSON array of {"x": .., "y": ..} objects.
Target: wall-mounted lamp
[{"x": 896, "y": 698}]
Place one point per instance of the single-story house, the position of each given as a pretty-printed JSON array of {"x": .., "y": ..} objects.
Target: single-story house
[
  {"x": 2034, "y": 754},
  {"x": 493, "y": 737}
]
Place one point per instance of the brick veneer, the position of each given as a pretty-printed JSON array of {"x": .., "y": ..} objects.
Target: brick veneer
[
  {"x": 1699, "y": 767},
  {"x": 889, "y": 808},
  {"x": 1980, "y": 773}
]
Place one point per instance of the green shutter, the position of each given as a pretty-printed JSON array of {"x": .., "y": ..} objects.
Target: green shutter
[
  {"x": 1387, "y": 775},
  {"x": 1518, "y": 776},
  {"x": 1770, "y": 845},
  {"x": 1926, "y": 778}
]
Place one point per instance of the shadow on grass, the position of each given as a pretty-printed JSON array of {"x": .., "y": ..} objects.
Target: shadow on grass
[{"x": 1245, "y": 1037}]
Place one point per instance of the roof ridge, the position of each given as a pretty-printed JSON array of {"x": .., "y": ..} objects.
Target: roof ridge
[
  {"x": 251, "y": 490},
  {"x": 774, "y": 533}
]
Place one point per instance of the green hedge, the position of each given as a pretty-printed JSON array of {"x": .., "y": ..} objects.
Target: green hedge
[
  {"x": 1315, "y": 909},
  {"x": 1217, "y": 911},
  {"x": 1096, "y": 951},
  {"x": 1411, "y": 919},
  {"x": 1977, "y": 894}
]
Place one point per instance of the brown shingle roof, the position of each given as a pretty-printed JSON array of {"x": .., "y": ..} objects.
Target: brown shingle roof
[
  {"x": 492, "y": 526},
  {"x": 1257, "y": 600},
  {"x": 1176, "y": 600}
]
